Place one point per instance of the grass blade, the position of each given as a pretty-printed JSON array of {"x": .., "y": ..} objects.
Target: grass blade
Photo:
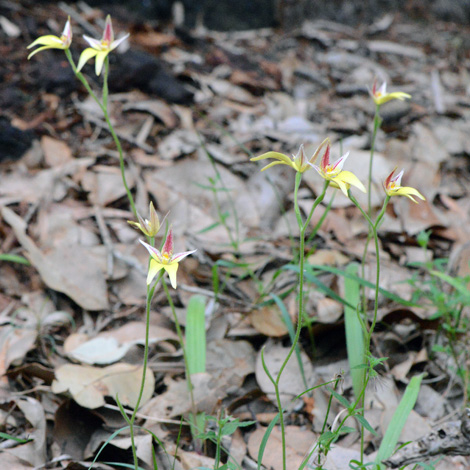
[
  {"x": 196, "y": 334},
  {"x": 407, "y": 403},
  {"x": 354, "y": 333},
  {"x": 290, "y": 328}
]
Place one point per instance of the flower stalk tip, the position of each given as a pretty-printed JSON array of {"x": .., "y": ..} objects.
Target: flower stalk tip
[
  {"x": 50, "y": 41},
  {"x": 392, "y": 187},
  {"x": 100, "y": 48}
]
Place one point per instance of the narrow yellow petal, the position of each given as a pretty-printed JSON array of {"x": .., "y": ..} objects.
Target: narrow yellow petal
[
  {"x": 39, "y": 49},
  {"x": 408, "y": 192},
  {"x": 86, "y": 55},
  {"x": 49, "y": 40},
  {"x": 272, "y": 164},
  {"x": 275, "y": 155},
  {"x": 171, "y": 270},
  {"x": 352, "y": 179},
  {"x": 154, "y": 268}
]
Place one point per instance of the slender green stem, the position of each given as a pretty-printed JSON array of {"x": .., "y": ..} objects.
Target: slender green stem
[
  {"x": 321, "y": 220},
  {"x": 105, "y": 83},
  {"x": 183, "y": 348},
  {"x": 373, "y": 229},
  {"x": 302, "y": 228},
  {"x": 377, "y": 123},
  {"x": 131, "y": 420},
  {"x": 104, "y": 108}
]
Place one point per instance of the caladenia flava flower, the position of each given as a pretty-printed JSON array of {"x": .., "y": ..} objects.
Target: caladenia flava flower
[
  {"x": 53, "y": 42},
  {"x": 298, "y": 162},
  {"x": 165, "y": 259},
  {"x": 151, "y": 226},
  {"x": 393, "y": 187},
  {"x": 100, "y": 48},
  {"x": 334, "y": 173},
  {"x": 380, "y": 95}
]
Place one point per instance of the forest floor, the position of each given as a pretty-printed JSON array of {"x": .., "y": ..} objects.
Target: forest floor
[{"x": 191, "y": 108}]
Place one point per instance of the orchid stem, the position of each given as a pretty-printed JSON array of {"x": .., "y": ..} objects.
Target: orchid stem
[
  {"x": 104, "y": 108},
  {"x": 373, "y": 228},
  {"x": 302, "y": 228},
  {"x": 183, "y": 348},
  {"x": 131, "y": 420},
  {"x": 377, "y": 123}
]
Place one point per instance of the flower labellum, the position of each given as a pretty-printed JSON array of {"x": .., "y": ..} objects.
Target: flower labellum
[
  {"x": 334, "y": 173},
  {"x": 380, "y": 95},
  {"x": 393, "y": 187},
  {"x": 53, "y": 42},
  {"x": 165, "y": 259},
  {"x": 100, "y": 49},
  {"x": 298, "y": 162}
]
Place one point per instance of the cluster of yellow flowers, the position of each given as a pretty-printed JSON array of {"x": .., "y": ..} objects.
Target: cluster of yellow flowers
[
  {"x": 334, "y": 172},
  {"x": 99, "y": 48}
]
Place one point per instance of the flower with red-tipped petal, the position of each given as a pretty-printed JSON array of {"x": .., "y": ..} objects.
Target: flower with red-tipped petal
[
  {"x": 100, "y": 49},
  {"x": 380, "y": 95},
  {"x": 392, "y": 186},
  {"x": 165, "y": 259},
  {"x": 334, "y": 173},
  {"x": 53, "y": 42}
]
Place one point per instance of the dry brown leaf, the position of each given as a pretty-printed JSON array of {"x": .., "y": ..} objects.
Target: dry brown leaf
[
  {"x": 105, "y": 184},
  {"x": 267, "y": 320},
  {"x": 111, "y": 346},
  {"x": 89, "y": 385},
  {"x": 298, "y": 443},
  {"x": 56, "y": 152},
  {"x": 70, "y": 270},
  {"x": 33, "y": 452},
  {"x": 229, "y": 362},
  {"x": 156, "y": 108},
  {"x": 291, "y": 383},
  {"x": 192, "y": 460},
  {"x": 175, "y": 401},
  {"x": 14, "y": 344}
]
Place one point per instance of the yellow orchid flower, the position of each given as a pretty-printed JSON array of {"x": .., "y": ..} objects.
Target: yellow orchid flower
[
  {"x": 380, "y": 95},
  {"x": 149, "y": 227},
  {"x": 334, "y": 173},
  {"x": 393, "y": 187},
  {"x": 165, "y": 259},
  {"x": 53, "y": 42},
  {"x": 298, "y": 162},
  {"x": 100, "y": 49}
]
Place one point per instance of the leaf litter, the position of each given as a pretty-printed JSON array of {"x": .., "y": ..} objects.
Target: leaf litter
[{"x": 71, "y": 314}]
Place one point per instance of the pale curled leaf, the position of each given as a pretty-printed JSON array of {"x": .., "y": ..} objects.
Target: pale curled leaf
[{"x": 89, "y": 385}]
